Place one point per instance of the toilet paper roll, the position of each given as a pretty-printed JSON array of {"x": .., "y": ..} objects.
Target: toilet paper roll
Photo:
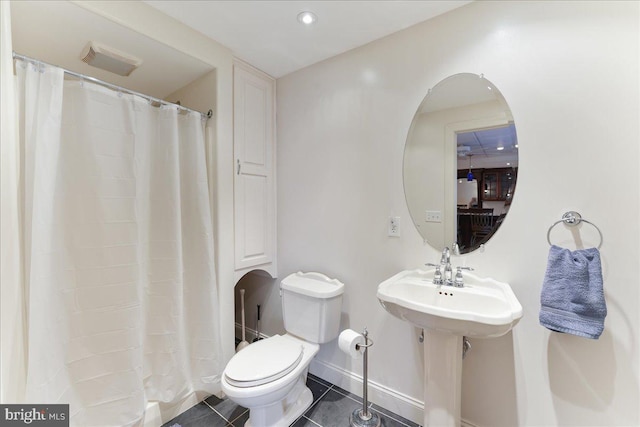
[{"x": 348, "y": 340}]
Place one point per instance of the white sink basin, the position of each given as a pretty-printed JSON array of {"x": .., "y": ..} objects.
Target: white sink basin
[{"x": 483, "y": 308}]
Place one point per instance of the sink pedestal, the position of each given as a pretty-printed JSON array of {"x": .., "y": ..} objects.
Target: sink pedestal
[{"x": 442, "y": 378}]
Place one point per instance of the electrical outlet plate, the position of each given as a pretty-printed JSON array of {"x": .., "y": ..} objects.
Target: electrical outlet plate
[{"x": 394, "y": 226}]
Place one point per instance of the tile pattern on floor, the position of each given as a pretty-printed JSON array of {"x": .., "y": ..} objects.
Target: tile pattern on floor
[{"x": 331, "y": 407}]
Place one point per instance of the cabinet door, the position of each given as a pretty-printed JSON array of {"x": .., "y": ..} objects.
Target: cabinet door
[
  {"x": 254, "y": 169},
  {"x": 490, "y": 186},
  {"x": 507, "y": 180}
]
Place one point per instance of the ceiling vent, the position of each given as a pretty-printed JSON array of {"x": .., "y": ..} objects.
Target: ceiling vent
[{"x": 109, "y": 59}]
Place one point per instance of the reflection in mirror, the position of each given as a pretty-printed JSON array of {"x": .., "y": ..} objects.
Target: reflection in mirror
[{"x": 460, "y": 163}]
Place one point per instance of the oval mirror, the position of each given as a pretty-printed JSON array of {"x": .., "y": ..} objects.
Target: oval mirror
[{"x": 460, "y": 163}]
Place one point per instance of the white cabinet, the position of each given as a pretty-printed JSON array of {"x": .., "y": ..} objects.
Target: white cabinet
[{"x": 254, "y": 182}]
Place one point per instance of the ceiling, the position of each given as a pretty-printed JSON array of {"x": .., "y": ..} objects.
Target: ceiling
[
  {"x": 488, "y": 148},
  {"x": 267, "y": 34}
]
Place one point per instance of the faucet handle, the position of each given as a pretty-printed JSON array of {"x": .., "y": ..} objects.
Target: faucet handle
[
  {"x": 459, "y": 279},
  {"x": 437, "y": 276}
]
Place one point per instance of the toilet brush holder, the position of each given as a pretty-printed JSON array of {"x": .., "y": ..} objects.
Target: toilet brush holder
[{"x": 362, "y": 417}]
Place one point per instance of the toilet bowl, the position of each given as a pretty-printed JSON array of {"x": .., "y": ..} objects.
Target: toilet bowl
[
  {"x": 281, "y": 395},
  {"x": 269, "y": 376}
]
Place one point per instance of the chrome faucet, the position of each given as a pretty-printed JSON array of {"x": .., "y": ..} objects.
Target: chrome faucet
[
  {"x": 446, "y": 256},
  {"x": 444, "y": 272},
  {"x": 446, "y": 261}
]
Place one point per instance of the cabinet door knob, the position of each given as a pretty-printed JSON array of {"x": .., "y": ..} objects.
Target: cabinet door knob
[{"x": 238, "y": 171}]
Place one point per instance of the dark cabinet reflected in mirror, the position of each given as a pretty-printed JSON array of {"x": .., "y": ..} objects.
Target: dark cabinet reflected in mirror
[
  {"x": 487, "y": 190},
  {"x": 461, "y": 163}
]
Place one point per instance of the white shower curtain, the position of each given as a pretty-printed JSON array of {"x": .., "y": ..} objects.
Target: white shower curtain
[
  {"x": 12, "y": 315},
  {"x": 122, "y": 303}
]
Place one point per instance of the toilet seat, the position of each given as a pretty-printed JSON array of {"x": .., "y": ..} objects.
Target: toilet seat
[{"x": 263, "y": 362}]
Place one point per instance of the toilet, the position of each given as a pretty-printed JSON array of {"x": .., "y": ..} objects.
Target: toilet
[{"x": 269, "y": 376}]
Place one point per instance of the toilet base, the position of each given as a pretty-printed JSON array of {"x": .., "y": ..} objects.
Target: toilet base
[{"x": 284, "y": 412}]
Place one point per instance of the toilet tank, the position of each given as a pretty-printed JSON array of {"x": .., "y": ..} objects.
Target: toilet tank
[{"x": 311, "y": 306}]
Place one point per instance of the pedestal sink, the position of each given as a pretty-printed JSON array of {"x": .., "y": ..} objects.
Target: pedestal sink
[{"x": 483, "y": 308}]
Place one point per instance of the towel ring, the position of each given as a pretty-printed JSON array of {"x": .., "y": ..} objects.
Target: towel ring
[{"x": 573, "y": 218}]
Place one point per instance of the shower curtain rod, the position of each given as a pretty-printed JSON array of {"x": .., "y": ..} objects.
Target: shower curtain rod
[{"x": 205, "y": 116}]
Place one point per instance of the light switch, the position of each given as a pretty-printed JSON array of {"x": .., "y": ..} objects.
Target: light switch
[{"x": 434, "y": 216}]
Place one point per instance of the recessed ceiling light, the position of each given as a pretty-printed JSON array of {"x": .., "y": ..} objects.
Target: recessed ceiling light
[
  {"x": 500, "y": 148},
  {"x": 307, "y": 18}
]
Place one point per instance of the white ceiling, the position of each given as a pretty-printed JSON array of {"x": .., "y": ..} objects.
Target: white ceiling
[
  {"x": 267, "y": 35},
  {"x": 483, "y": 146}
]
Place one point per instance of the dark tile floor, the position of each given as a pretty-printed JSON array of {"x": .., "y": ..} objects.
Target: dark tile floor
[{"x": 331, "y": 407}]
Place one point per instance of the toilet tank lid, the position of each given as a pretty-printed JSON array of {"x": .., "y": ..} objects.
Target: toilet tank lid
[{"x": 312, "y": 284}]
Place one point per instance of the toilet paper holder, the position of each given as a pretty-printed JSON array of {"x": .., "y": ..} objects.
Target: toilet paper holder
[
  {"x": 368, "y": 341},
  {"x": 363, "y": 417}
]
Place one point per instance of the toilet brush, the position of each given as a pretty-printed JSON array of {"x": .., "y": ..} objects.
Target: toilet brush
[
  {"x": 244, "y": 342},
  {"x": 257, "y": 338}
]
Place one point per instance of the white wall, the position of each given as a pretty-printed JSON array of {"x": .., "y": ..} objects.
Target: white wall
[{"x": 569, "y": 71}]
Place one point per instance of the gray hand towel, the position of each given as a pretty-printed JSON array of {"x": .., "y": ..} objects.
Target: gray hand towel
[{"x": 572, "y": 298}]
